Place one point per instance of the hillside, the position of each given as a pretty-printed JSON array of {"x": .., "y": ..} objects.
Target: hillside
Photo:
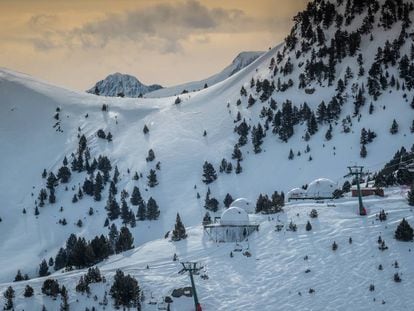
[
  {"x": 242, "y": 60},
  {"x": 122, "y": 85},
  {"x": 277, "y": 273},
  {"x": 284, "y": 143}
]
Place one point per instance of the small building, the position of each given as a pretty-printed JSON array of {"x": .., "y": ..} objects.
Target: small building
[
  {"x": 365, "y": 191},
  {"x": 296, "y": 193},
  {"x": 245, "y": 204},
  {"x": 234, "y": 216},
  {"x": 234, "y": 225},
  {"x": 319, "y": 189}
]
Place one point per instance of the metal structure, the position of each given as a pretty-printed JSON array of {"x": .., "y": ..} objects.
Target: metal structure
[
  {"x": 193, "y": 268},
  {"x": 357, "y": 171},
  {"x": 230, "y": 232}
]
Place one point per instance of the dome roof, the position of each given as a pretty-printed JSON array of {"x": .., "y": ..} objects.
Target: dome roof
[
  {"x": 296, "y": 192},
  {"x": 321, "y": 187},
  {"x": 234, "y": 216},
  {"x": 245, "y": 204}
]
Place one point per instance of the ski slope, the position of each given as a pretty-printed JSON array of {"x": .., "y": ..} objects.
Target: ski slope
[
  {"x": 274, "y": 276},
  {"x": 176, "y": 136}
]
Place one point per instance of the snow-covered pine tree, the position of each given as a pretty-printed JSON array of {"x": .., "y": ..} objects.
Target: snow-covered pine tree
[{"x": 179, "y": 232}]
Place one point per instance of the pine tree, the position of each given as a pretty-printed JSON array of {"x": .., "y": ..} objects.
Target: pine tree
[
  {"x": 228, "y": 200},
  {"x": 113, "y": 235},
  {"x": 257, "y": 138},
  {"x": 64, "y": 306},
  {"x": 125, "y": 291},
  {"x": 179, "y": 230},
  {"x": 9, "y": 295},
  {"x": 210, "y": 203},
  {"x": 153, "y": 211},
  {"x": 145, "y": 129},
  {"x": 394, "y": 127},
  {"x": 209, "y": 173},
  {"x": 125, "y": 215},
  {"x": 151, "y": 156},
  {"x": 82, "y": 286},
  {"x": 50, "y": 287},
  {"x": 52, "y": 181},
  {"x": 328, "y": 135},
  {"x": 207, "y": 219},
  {"x": 109, "y": 137},
  {"x": 60, "y": 259},
  {"x": 238, "y": 169},
  {"x": 152, "y": 179},
  {"x": 28, "y": 291},
  {"x": 64, "y": 174},
  {"x": 112, "y": 208},
  {"x": 142, "y": 211},
  {"x": 43, "y": 268},
  {"x": 404, "y": 231},
  {"x": 136, "y": 197},
  {"x": 97, "y": 187},
  {"x": 18, "y": 277},
  {"x": 308, "y": 226},
  {"x": 52, "y": 197},
  {"x": 237, "y": 154},
  {"x": 363, "y": 152},
  {"x": 291, "y": 155},
  {"x": 125, "y": 241}
]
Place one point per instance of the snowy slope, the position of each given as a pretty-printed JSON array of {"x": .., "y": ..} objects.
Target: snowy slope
[
  {"x": 242, "y": 60},
  {"x": 275, "y": 276},
  {"x": 31, "y": 143},
  {"x": 120, "y": 85}
]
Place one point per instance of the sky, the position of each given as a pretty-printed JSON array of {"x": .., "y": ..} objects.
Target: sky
[{"x": 79, "y": 42}]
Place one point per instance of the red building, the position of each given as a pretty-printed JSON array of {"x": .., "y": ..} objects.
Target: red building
[{"x": 368, "y": 191}]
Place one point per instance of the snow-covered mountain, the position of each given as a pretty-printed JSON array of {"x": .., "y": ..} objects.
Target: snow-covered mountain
[
  {"x": 122, "y": 85},
  {"x": 242, "y": 60},
  {"x": 297, "y": 113}
]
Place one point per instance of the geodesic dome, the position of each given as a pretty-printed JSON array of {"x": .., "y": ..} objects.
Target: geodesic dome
[
  {"x": 321, "y": 187},
  {"x": 245, "y": 204},
  {"x": 296, "y": 193},
  {"x": 234, "y": 216}
]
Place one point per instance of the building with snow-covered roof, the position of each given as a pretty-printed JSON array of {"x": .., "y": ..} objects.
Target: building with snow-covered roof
[
  {"x": 234, "y": 216},
  {"x": 321, "y": 188},
  {"x": 234, "y": 225},
  {"x": 245, "y": 204},
  {"x": 296, "y": 193}
]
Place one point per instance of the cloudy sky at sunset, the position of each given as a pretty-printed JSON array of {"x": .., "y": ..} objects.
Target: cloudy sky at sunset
[{"x": 75, "y": 43}]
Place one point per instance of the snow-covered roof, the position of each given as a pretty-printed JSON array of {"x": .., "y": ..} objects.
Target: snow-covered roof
[
  {"x": 296, "y": 192},
  {"x": 234, "y": 216},
  {"x": 245, "y": 204},
  {"x": 321, "y": 187}
]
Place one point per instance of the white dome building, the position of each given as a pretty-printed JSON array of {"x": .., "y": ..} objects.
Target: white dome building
[
  {"x": 245, "y": 204},
  {"x": 296, "y": 193},
  {"x": 321, "y": 188},
  {"x": 234, "y": 216}
]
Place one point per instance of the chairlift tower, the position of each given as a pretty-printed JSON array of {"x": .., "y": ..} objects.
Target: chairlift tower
[
  {"x": 357, "y": 171},
  {"x": 192, "y": 268}
]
